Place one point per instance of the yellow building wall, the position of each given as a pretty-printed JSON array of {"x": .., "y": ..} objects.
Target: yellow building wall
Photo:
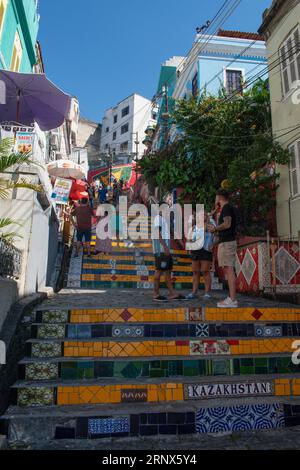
[{"x": 285, "y": 114}]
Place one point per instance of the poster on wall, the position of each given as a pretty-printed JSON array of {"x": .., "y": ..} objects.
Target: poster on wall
[
  {"x": 24, "y": 142},
  {"x": 61, "y": 191}
]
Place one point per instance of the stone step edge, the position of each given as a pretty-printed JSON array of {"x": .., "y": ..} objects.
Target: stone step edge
[
  {"x": 37, "y": 360},
  {"x": 30, "y": 360},
  {"x": 125, "y": 409},
  {"x": 140, "y": 381},
  {"x": 177, "y": 339}
]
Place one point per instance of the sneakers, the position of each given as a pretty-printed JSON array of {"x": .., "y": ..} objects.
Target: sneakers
[
  {"x": 191, "y": 297},
  {"x": 228, "y": 303},
  {"x": 207, "y": 297}
]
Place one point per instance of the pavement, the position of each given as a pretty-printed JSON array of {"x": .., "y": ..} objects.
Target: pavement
[{"x": 68, "y": 299}]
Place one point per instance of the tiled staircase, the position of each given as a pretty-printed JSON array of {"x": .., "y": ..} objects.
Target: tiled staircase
[
  {"x": 130, "y": 265},
  {"x": 149, "y": 371}
]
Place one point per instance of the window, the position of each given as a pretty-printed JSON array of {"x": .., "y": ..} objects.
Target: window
[
  {"x": 3, "y": 5},
  {"x": 124, "y": 147},
  {"x": 295, "y": 168},
  {"x": 234, "y": 80},
  {"x": 16, "y": 54},
  {"x": 125, "y": 111},
  {"x": 107, "y": 130},
  {"x": 115, "y": 135},
  {"x": 115, "y": 119},
  {"x": 124, "y": 129},
  {"x": 195, "y": 89},
  {"x": 290, "y": 61}
]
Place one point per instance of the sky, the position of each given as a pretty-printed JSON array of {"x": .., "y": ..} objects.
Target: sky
[{"x": 103, "y": 51}]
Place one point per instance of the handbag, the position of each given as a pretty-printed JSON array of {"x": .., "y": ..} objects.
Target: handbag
[{"x": 164, "y": 262}]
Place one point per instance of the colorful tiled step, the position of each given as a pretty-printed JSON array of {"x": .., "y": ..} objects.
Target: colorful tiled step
[
  {"x": 66, "y": 369},
  {"x": 167, "y": 315},
  {"x": 158, "y": 348},
  {"x": 150, "y": 330},
  {"x": 93, "y": 393}
]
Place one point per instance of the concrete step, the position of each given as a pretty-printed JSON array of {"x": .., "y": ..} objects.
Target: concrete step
[{"x": 137, "y": 420}]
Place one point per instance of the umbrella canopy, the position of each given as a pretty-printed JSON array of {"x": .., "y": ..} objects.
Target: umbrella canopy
[
  {"x": 65, "y": 169},
  {"x": 79, "y": 185},
  {"x": 33, "y": 98}
]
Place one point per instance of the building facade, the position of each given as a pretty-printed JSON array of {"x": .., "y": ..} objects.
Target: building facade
[
  {"x": 19, "y": 25},
  {"x": 222, "y": 62},
  {"x": 89, "y": 138},
  {"x": 123, "y": 128},
  {"x": 282, "y": 33}
]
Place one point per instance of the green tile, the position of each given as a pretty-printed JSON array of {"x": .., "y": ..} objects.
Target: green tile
[
  {"x": 220, "y": 368},
  {"x": 157, "y": 373},
  {"x": 248, "y": 361},
  {"x": 85, "y": 370},
  {"x": 69, "y": 371},
  {"x": 261, "y": 370},
  {"x": 236, "y": 367},
  {"x": 247, "y": 370},
  {"x": 261, "y": 362}
]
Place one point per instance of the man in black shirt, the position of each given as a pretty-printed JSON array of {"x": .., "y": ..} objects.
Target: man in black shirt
[{"x": 226, "y": 230}]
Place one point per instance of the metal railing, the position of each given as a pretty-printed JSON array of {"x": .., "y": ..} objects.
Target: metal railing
[{"x": 10, "y": 260}]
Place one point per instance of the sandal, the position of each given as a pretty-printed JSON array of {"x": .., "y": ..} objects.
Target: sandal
[
  {"x": 179, "y": 297},
  {"x": 160, "y": 299}
]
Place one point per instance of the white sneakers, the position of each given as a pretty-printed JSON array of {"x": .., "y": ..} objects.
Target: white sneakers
[{"x": 228, "y": 303}]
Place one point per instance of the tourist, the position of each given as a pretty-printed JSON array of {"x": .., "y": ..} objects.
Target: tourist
[
  {"x": 102, "y": 194},
  {"x": 116, "y": 194},
  {"x": 202, "y": 258},
  {"x": 163, "y": 260},
  {"x": 82, "y": 220},
  {"x": 227, "y": 249},
  {"x": 91, "y": 193},
  {"x": 103, "y": 245}
]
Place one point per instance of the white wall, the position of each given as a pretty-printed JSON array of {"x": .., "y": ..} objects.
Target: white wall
[{"x": 137, "y": 119}]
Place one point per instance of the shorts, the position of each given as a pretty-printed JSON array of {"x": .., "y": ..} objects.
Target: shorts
[
  {"x": 84, "y": 234},
  {"x": 227, "y": 254},
  {"x": 163, "y": 263},
  {"x": 202, "y": 255}
]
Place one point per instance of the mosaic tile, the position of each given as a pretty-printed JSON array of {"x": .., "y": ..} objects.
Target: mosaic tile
[
  {"x": 128, "y": 332},
  {"x": 239, "y": 418},
  {"x": 51, "y": 331},
  {"x": 268, "y": 331},
  {"x": 41, "y": 371},
  {"x": 225, "y": 390},
  {"x": 257, "y": 314},
  {"x": 39, "y": 396},
  {"x": 131, "y": 395},
  {"x": 203, "y": 348},
  {"x": 55, "y": 316},
  {"x": 193, "y": 314},
  {"x": 109, "y": 426},
  {"x": 286, "y": 266},
  {"x": 202, "y": 330},
  {"x": 126, "y": 315},
  {"x": 46, "y": 350}
]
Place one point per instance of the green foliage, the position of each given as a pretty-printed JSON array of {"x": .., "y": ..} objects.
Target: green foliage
[{"x": 223, "y": 139}]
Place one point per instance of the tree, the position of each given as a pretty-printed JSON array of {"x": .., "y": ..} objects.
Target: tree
[
  {"x": 8, "y": 161},
  {"x": 223, "y": 141}
]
